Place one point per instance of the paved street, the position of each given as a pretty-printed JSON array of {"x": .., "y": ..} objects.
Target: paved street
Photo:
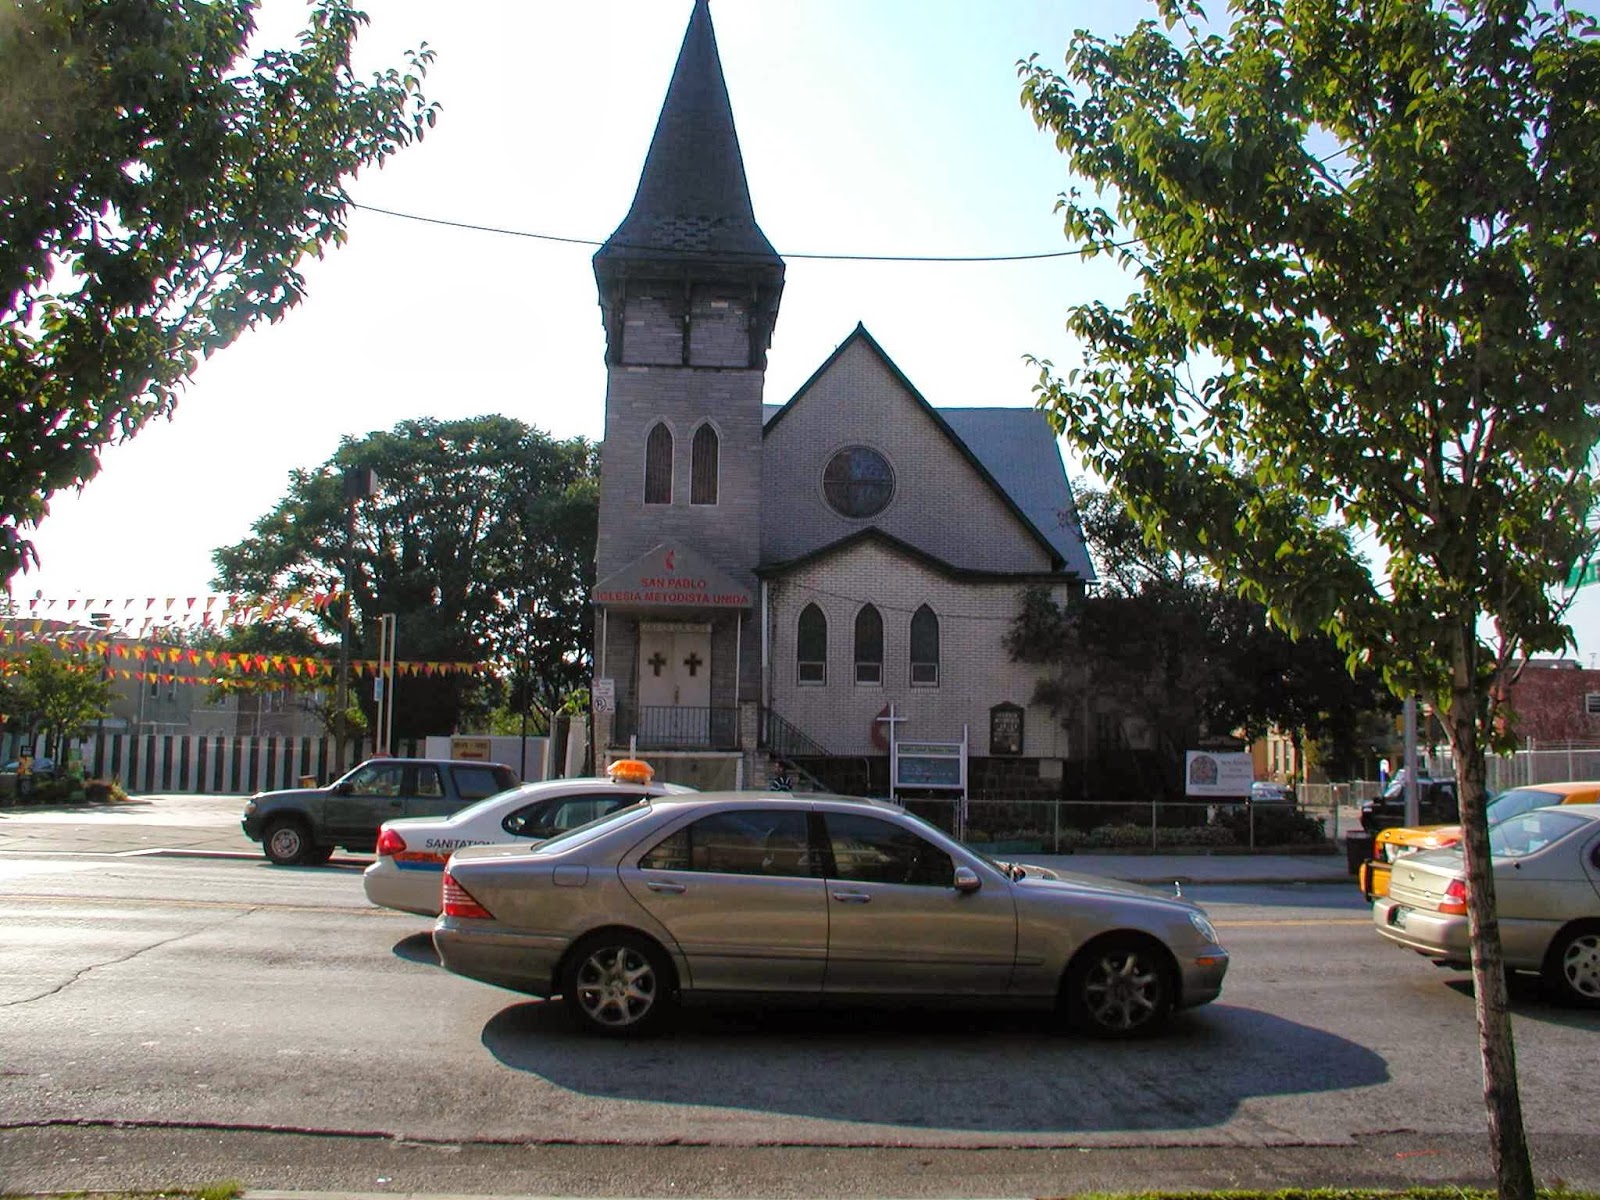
[{"x": 205, "y": 1012}]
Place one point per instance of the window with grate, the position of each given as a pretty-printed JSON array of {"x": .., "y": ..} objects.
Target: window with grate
[
  {"x": 1591, "y": 704},
  {"x": 703, "y": 466},
  {"x": 924, "y": 648},
  {"x": 869, "y": 645},
  {"x": 658, "y": 465},
  {"x": 812, "y": 646}
]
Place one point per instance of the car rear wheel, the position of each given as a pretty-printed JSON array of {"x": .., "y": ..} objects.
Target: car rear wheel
[
  {"x": 287, "y": 842},
  {"x": 1572, "y": 968},
  {"x": 1120, "y": 987},
  {"x": 618, "y": 985}
]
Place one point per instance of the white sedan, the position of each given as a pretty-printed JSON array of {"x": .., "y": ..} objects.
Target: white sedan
[{"x": 412, "y": 851}]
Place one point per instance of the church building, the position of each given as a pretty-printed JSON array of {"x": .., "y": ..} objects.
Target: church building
[{"x": 818, "y": 588}]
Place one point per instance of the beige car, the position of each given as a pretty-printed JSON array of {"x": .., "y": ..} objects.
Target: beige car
[
  {"x": 1547, "y": 900},
  {"x": 753, "y": 896}
]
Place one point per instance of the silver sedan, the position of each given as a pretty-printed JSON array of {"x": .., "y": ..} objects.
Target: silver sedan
[
  {"x": 752, "y": 896},
  {"x": 1546, "y": 867}
]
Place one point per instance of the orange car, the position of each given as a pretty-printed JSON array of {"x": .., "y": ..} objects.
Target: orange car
[{"x": 1390, "y": 844}]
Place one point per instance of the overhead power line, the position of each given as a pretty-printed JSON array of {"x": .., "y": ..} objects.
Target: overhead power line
[{"x": 572, "y": 241}]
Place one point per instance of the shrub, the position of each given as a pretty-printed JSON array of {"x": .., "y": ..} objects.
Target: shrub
[{"x": 1273, "y": 826}]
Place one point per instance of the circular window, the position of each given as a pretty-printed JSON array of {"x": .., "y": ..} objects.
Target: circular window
[{"x": 858, "y": 482}]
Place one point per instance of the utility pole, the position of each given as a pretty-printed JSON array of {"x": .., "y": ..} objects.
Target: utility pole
[{"x": 358, "y": 482}]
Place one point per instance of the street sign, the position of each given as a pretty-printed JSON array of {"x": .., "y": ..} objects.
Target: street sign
[
  {"x": 1584, "y": 574},
  {"x": 604, "y": 695}
]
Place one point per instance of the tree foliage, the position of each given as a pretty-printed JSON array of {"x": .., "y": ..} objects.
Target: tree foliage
[
  {"x": 57, "y": 694},
  {"x": 1358, "y": 374},
  {"x": 158, "y": 192},
  {"x": 480, "y": 541},
  {"x": 1183, "y": 657}
]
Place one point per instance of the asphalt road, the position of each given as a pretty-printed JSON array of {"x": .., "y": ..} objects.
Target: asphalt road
[{"x": 180, "y": 1020}]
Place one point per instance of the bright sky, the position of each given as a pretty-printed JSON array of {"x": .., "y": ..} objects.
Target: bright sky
[{"x": 884, "y": 128}]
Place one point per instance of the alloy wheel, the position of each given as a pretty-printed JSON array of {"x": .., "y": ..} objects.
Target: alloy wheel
[{"x": 617, "y": 986}]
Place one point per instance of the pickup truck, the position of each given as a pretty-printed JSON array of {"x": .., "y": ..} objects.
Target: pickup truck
[{"x": 303, "y": 826}]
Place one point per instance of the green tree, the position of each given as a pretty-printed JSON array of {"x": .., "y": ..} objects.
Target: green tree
[
  {"x": 1358, "y": 371},
  {"x": 1164, "y": 644},
  {"x": 60, "y": 694},
  {"x": 480, "y": 541},
  {"x": 158, "y": 192}
]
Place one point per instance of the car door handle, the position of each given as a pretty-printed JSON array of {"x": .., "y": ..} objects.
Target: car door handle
[
  {"x": 851, "y": 897},
  {"x": 661, "y": 885},
  {"x": 396, "y": 803}
]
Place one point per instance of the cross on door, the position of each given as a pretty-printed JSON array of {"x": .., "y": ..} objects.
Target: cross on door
[
  {"x": 657, "y": 661},
  {"x": 694, "y": 662}
]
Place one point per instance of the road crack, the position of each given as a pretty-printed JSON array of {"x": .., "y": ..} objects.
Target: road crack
[{"x": 84, "y": 972}]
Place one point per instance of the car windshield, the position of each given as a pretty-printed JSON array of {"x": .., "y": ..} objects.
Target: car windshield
[
  {"x": 1532, "y": 832},
  {"x": 1518, "y": 801},
  {"x": 595, "y": 828}
]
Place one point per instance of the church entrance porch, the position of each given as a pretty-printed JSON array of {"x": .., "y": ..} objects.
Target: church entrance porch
[
  {"x": 670, "y": 642},
  {"x": 674, "y": 684}
]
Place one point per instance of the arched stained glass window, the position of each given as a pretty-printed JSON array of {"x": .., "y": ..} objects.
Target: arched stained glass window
[
  {"x": 658, "y": 465},
  {"x": 869, "y": 645},
  {"x": 811, "y": 646},
  {"x": 924, "y": 648},
  {"x": 703, "y": 466}
]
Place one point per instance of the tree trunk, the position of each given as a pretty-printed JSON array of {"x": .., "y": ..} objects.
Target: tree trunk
[{"x": 1508, "y": 1140}]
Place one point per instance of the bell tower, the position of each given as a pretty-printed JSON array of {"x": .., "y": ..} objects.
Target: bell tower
[{"x": 689, "y": 290}]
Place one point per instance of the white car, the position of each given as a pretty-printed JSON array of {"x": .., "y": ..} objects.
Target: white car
[{"x": 412, "y": 851}]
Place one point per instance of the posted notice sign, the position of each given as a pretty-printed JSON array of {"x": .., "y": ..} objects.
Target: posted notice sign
[{"x": 1207, "y": 773}]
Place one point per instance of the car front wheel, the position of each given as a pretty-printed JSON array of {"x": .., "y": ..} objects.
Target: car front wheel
[
  {"x": 1572, "y": 968},
  {"x": 1119, "y": 988},
  {"x": 618, "y": 985},
  {"x": 286, "y": 843}
]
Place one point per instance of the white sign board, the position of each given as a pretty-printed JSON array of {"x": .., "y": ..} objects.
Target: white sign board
[
  {"x": 1206, "y": 773},
  {"x": 604, "y": 695}
]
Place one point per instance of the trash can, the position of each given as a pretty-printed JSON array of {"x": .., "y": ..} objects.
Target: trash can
[{"x": 1357, "y": 849}]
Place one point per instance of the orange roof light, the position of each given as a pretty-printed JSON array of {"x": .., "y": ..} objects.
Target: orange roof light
[{"x": 630, "y": 770}]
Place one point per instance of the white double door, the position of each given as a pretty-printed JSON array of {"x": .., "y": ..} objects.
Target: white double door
[{"x": 675, "y": 674}]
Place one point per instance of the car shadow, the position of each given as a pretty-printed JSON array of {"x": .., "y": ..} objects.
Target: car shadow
[
  {"x": 1530, "y": 1002},
  {"x": 985, "y": 1071},
  {"x": 417, "y": 948}
]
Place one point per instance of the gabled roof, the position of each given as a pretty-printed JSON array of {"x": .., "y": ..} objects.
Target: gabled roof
[
  {"x": 693, "y": 200},
  {"x": 879, "y": 537},
  {"x": 1012, "y": 449}
]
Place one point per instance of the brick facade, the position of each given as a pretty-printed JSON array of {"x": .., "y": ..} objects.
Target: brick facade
[
  {"x": 941, "y": 504},
  {"x": 975, "y": 672}
]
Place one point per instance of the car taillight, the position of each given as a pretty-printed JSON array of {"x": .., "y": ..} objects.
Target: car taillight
[
  {"x": 1455, "y": 898},
  {"x": 390, "y": 842},
  {"x": 458, "y": 902}
]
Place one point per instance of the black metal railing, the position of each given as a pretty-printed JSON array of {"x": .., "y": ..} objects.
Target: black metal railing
[
  {"x": 782, "y": 739},
  {"x": 668, "y": 727}
]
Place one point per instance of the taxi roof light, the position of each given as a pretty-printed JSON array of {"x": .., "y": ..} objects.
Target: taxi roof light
[{"x": 630, "y": 770}]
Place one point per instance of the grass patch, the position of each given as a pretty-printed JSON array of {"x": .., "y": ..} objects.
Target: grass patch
[{"x": 228, "y": 1190}]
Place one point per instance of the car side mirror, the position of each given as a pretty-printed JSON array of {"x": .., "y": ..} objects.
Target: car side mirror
[
  {"x": 967, "y": 880},
  {"x": 343, "y": 788}
]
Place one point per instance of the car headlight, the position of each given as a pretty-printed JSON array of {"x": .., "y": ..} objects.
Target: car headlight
[
  {"x": 1203, "y": 927},
  {"x": 249, "y": 807}
]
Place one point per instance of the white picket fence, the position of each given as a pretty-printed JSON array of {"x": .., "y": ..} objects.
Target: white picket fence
[{"x": 223, "y": 765}]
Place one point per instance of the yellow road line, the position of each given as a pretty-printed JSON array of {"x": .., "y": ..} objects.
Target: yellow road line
[{"x": 231, "y": 905}]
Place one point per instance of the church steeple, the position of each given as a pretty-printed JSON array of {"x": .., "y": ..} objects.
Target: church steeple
[{"x": 691, "y": 218}]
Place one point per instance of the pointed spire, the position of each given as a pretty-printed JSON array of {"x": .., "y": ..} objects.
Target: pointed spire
[{"x": 693, "y": 201}]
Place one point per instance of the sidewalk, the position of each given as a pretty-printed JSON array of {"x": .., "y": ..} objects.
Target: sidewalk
[{"x": 208, "y": 827}]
